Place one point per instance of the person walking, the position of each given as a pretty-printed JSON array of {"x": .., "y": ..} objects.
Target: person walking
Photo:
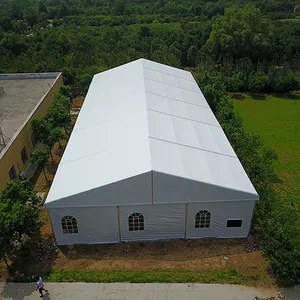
[{"x": 40, "y": 286}]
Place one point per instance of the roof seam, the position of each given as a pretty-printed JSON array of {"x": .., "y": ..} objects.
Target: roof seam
[
  {"x": 145, "y": 99},
  {"x": 183, "y": 118},
  {"x": 171, "y": 74},
  {"x": 176, "y": 86},
  {"x": 207, "y": 107},
  {"x": 201, "y": 149}
]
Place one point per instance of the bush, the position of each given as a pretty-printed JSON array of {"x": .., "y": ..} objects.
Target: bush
[{"x": 258, "y": 82}]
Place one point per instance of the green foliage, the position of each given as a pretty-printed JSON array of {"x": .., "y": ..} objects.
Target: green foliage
[
  {"x": 65, "y": 36},
  {"x": 40, "y": 157},
  {"x": 41, "y": 130},
  {"x": 19, "y": 215},
  {"x": 274, "y": 223},
  {"x": 192, "y": 55},
  {"x": 59, "y": 112},
  {"x": 241, "y": 32},
  {"x": 258, "y": 82},
  {"x": 206, "y": 276},
  {"x": 213, "y": 93},
  {"x": 275, "y": 220},
  {"x": 66, "y": 91},
  {"x": 281, "y": 244},
  {"x": 276, "y": 120}
]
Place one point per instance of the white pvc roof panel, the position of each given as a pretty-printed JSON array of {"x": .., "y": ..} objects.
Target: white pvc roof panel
[
  {"x": 175, "y": 93},
  {"x": 164, "y": 69},
  {"x": 181, "y": 109},
  {"x": 188, "y": 133},
  {"x": 204, "y": 166},
  {"x": 145, "y": 116}
]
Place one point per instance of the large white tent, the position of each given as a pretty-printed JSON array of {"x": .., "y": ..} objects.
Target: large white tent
[{"x": 148, "y": 160}]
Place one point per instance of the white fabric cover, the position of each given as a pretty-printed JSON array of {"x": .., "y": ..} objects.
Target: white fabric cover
[
  {"x": 220, "y": 212},
  {"x": 131, "y": 191},
  {"x": 173, "y": 189},
  {"x": 143, "y": 117},
  {"x": 96, "y": 225},
  {"x": 161, "y": 222}
]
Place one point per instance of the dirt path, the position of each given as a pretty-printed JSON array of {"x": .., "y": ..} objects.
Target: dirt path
[{"x": 153, "y": 291}]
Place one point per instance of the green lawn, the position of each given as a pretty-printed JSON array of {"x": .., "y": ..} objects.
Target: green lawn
[
  {"x": 209, "y": 276},
  {"x": 277, "y": 121}
]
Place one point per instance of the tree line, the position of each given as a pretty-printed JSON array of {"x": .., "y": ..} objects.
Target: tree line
[
  {"x": 275, "y": 223},
  {"x": 242, "y": 44}
]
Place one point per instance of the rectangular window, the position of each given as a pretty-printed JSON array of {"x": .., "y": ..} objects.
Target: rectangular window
[
  {"x": 234, "y": 223},
  {"x": 12, "y": 173},
  {"x": 24, "y": 155}
]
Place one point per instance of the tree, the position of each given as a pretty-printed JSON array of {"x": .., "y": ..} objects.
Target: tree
[
  {"x": 66, "y": 91},
  {"x": 58, "y": 135},
  {"x": 31, "y": 12},
  {"x": 43, "y": 7},
  {"x": 119, "y": 6},
  {"x": 192, "y": 55},
  {"x": 42, "y": 132},
  {"x": 145, "y": 31},
  {"x": 59, "y": 112},
  {"x": 64, "y": 9},
  {"x": 257, "y": 82},
  {"x": 19, "y": 216},
  {"x": 242, "y": 31},
  {"x": 40, "y": 157}
]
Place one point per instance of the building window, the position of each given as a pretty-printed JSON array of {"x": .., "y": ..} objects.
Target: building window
[
  {"x": 12, "y": 173},
  {"x": 202, "y": 219},
  {"x": 234, "y": 223},
  {"x": 24, "y": 155},
  {"x": 69, "y": 225},
  {"x": 136, "y": 222}
]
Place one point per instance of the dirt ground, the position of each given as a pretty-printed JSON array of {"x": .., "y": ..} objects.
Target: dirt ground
[{"x": 201, "y": 254}]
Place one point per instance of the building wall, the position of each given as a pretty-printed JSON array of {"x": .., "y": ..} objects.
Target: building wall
[
  {"x": 166, "y": 221},
  {"x": 220, "y": 213},
  {"x": 96, "y": 225},
  {"x": 12, "y": 156}
]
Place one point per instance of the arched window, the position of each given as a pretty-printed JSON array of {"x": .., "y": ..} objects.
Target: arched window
[
  {"x": 69, "y": 225},
  {"x": 136, "y": 222},
  {"x": 202, "y": 219}
]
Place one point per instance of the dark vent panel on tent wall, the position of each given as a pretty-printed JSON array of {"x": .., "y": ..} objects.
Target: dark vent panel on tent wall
[{"x": 234, "y": 223}]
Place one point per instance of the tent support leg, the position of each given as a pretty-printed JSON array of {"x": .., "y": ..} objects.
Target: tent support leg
[
  {"x": 185, "y": 225},
  {"x": 119, "y": 226}
]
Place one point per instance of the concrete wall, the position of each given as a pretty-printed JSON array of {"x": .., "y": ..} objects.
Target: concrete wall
[{"x": 12, "y": 155}]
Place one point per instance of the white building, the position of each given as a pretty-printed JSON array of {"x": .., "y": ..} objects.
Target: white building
[{"x": 147, "y": 160}]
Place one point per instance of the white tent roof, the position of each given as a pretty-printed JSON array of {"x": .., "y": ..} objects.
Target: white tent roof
[{"x": 141, "y": 117}]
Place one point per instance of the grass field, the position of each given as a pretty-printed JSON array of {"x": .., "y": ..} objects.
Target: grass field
[
  {"x": 277, "y": 121},
  {"x": 208, "y": 276}
]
